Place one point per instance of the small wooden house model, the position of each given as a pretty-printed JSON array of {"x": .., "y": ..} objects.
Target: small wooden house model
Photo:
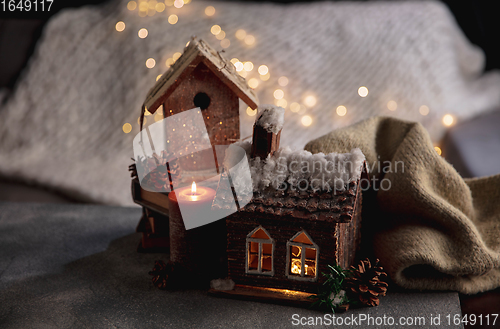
[
  {"x": 292, "y": 229},
  {"x": 202, "y": 78}
]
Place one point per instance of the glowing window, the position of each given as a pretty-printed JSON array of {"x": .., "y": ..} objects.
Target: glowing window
[
  {"x": 260, "y": 249},
  {"x": 302, "y": 257}
]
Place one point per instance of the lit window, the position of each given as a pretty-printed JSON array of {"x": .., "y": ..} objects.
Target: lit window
[
  {"x": 260, "y": 249},
  {"x": 302, "y": 258}
]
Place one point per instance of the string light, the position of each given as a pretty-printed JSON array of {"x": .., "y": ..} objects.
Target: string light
[
  {"x": 310, "y": 101},
  {"x": 169, "y": 3},
  {"x": 438, "y": 150},
  {"x": 160, "y": 7},
  {"x": 253, "y": 83},
  {"x": 363, "y": 91},
  {"x": 150, "y": 63},
  {"x": 234, "y": 60},
  {"x": 278, "y": 94},
  {"x": 263, "y": 69},
  {"x": 120, "y": 26},
  {"x": 210, "y": 11},
  {"x": 146, "y": 112},
  {"x": 173, "y": 19},
  {"x": 169, "y": 62},
  {"x": 238, "y": 66},
  {"x": 158, "y": 77},
  {"x": 131, "y": 5},
  {"x": 143, "y": 33},
  {"x": 243, "y": 73},
  {"x": 392, "y": 105},
  {"x": 127, "y": 128},
  {"x": 143, "y": 6},
  {"x": 249, "y": 39},
  {"x": 281, "y": 102},
  {"x": 265, "y": 77},
  {"x": 295, "y": 107},
  {"x": 221, "y": 35},
  {"x": 178, "y": 3},
  {"x": 248, "y": 66},
  {"x": 283, "y": 81},
  {"x": 240, "y": 34},
  {"x": 424, "y": 110},
  {"x": 341, "y": 110},
  {"x": 215, "y": 29},
  {"x": 306, "y": 120},
  {"x": 448, "y": 120},
  {"x": 225, "y": 43},
  {"x": 176, "y": 56},
  {"x": 251, "y": 112}
]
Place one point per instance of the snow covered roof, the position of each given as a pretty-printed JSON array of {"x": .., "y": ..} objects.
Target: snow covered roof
[{"x": 298, "y": 184}]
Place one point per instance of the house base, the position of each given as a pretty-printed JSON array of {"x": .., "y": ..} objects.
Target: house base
[{"x": 266, "y": 295}]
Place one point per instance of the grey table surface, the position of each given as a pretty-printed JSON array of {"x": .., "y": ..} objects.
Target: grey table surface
[{"x": 77, "y": 266}]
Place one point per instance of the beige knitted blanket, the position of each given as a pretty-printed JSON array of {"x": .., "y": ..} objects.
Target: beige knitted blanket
[{"x": 433, "y": 229}]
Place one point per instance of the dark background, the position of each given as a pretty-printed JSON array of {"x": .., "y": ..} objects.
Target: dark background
[{"x": 20, "y": 31}]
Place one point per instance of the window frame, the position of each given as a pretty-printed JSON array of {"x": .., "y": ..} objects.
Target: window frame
[
  {"x": 249, "y": 239},
  {"x": 302, "y": 276}
]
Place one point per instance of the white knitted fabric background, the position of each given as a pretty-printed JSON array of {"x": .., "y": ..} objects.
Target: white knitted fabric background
[{"x": 62, "y": 127}]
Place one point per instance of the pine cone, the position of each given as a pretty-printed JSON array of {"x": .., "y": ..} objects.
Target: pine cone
[
  {"x": 365, "y": 284},
  {"x": 160, "y": 274},
  {"x": 169, "y": 276}
]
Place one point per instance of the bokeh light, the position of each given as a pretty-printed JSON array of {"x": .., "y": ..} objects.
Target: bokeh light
[
  {"x": 173, "y": 19},
  {"x": 310, "y": 101},
  {"x": 210, "y": 11},
  {"x": 143, "y": 33},
  {"x": 278, "y": 94},
  {"x": 127, "y": 128},
  {"x": 392, "y": 105},
  {"x": 251, "y": 112},
  {"x": 150, "y": 63},
  {"x": 424, "y": 110},
  {"x": 283, "y": 81},
  {"x": 363, "y": 91},
  {"x": 306, "y": 120},
  {"x": 120, "y": 26},
  {"x": 448, "y": 120},
  {"x": 341, "y": 110}
]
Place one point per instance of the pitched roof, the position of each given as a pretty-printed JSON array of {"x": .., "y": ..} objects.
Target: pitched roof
[
  {"x": 195, "y": 53},
  {"x": 276, "y": 187},
  {"x": 327, "y": 206}
]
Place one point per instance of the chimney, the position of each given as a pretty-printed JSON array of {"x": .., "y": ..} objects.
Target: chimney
[{"x": 267, "y": 130}]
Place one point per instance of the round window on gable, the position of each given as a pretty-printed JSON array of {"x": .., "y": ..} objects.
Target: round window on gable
[{"x": 201, "y": 100}]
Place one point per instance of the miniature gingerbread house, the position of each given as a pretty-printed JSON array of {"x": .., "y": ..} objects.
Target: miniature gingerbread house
[
  {"x": 201, "y": 78},
  {"x": 303, "y": 215}
]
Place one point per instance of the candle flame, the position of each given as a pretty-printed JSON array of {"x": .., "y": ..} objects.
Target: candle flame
[{"x": 193, "y": 188}]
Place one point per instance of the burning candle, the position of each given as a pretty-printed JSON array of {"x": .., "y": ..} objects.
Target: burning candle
[
  {"x": 187, "y": 208},
  {"x": 192, "y": 202}
]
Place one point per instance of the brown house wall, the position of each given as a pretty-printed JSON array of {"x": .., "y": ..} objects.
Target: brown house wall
[
  {"x": 337, "y": 244},
  {"x": 281, "y": 231}
]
